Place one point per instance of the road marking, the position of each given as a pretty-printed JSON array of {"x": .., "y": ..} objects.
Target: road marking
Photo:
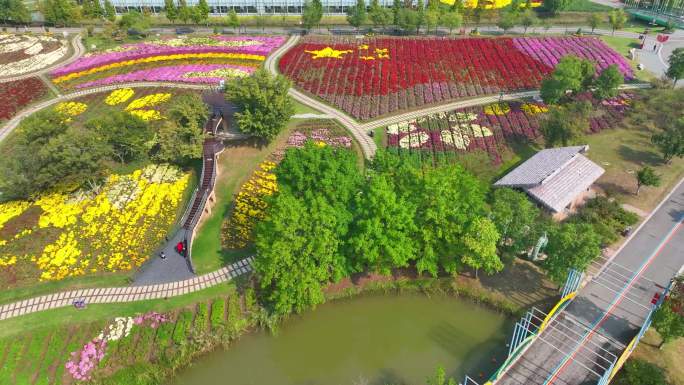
[{"x": 617, "y": 300}]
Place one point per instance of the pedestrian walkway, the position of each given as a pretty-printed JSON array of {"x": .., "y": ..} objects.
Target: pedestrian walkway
[{"x": 126, "y": 294}]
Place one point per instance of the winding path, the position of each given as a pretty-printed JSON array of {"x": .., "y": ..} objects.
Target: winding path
[{"x": 78, "y": 51}]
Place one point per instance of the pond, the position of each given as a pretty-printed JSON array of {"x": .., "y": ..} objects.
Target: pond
[{"x": 370, "y": 340}]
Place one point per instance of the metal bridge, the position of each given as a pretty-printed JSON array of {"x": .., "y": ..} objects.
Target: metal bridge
[{"x": 598, "y": 322}]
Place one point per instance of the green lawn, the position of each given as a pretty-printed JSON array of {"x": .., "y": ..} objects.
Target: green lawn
[
  {"x": 670, "y": 357},
  {"x": 304, "y": 109},
  {"x": 621, "y": 152},
  {"x": 586, "y": 6}
]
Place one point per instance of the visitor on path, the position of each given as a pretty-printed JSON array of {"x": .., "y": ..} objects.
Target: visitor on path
[
  {"x": 655, "y": 46},
  {"x": 162, "y": 255},
  {"x": 180, "y": 248}
]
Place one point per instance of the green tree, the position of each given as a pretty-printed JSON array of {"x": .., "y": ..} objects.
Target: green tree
[
  {"x": 184, "y": 11},
  {"x": 356, "y": 15},
  {"x": 14, "y": 11},
  {"x": 396, "y": 9},
  {"x": 675, "y": 71},
  {"x": 265, "y": 107},
  {"x": 617, "y": 19},
  {"x": 646, "y": 176},
  {"x": 594, "y": 20},
  {"x": 566, "y": 125},
  {"x": 528, "y": 19},
  {"x": 480, "y": 242},
  {"x": 380, "y": 16},
  {"x": 312, "y": 13},
  {"x": 448, "y": 201},
  {"x": 452, "y": 20},
  {"x": 314, "y": 171},
  {"x": 507, "y": 20},
  {"x": 514, "y": 216},
  {"x": 669, "y": 322},
  {"x": 109, "y": 11},
  {"x": 177, "y": 143},
  {"x": 571, "y": 75},
  {"x": 571, "y": 245},
  {"x": 408, "y": 20},
  {"x": 297, "y": 252},
  {"x": 129, "y": 136},
  {"x": 135, "y": 20},
  {"x": 420, "y": 15},
  {"x": 555, "y": 6},
  {"x": 202, "y": 10},
  {"x": 59, "y": 12},
  {"x": 670, "y": 141},
  {"x": 431, "y": 20},
  {"x": 640, "y": 372},
  {"x": 233, "y": 20},
  {"x": 608, "y": 82},
  {"x": 92, "y": 9},
  {"x": 381, "y": 235},
  {"x": 171, "y": 10}
]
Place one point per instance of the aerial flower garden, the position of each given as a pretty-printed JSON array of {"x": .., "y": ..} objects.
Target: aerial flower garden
[
  {"x": 21, "y": 54},
  {"x": 379, "y": 76},
  {"x": 17, "y": 94},
  {"x": 108, "y": 229},
  {"x": 489, "y": 128},
  {"x": 205, "y": 60}
]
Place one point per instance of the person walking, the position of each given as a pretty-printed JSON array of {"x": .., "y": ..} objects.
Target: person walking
[{"x": 162, "y": 255}]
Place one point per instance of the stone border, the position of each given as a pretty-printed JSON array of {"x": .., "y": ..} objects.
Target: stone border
[{"x": 126, "y": 294}]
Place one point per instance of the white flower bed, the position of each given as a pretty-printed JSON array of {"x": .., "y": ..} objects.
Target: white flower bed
[
  {"x": 29, "y": 45},
  {"x": 117, "y": 330}
]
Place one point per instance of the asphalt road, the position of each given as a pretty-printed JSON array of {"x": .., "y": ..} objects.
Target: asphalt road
[{"x": 580, "y": 343}]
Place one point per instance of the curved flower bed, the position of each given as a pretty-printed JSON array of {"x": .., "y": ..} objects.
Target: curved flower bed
[
  {"x": 240, "y": 51},
  {"x": 488, "y": 128},
  {"x": 18, "y": 94},
  {"x": 373, "y": 77},
  {"x": 21, "y": 54},
  {"x": 199, "y": 73},
  {"x": 112, "y": 229}
]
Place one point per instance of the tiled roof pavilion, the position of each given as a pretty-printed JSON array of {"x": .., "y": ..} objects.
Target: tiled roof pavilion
[{"x": 554, "y": 177}]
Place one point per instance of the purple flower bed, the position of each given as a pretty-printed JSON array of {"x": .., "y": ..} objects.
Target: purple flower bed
[
  {"x": 168, "y": 74},
  {"x": 322, "y": 135},
  {"x": 549, "y": 51},
  {"x": 261, "y": 46}
]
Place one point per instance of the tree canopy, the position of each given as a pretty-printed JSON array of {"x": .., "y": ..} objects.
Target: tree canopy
[
  {"x": 312, "y": 13},
  {"x": 675, "y": 71},
  {"x": 264, "y": 106},
  {"x": 60, "y": 12},
  {"x": 14, "y": 11},
  {"x": 356, "y": 15},
  {"x": 514, "y": 216},
  {"x": 608, "y": 82},
  {"x": 646, "y": 176},
  {"x": 130, "y": 137},
  {"x": 571, "y": 76},
  {"x": 571, "y": 246},
  {"x": 565, "y": 125},
  {"x": 670, "y": 141}
]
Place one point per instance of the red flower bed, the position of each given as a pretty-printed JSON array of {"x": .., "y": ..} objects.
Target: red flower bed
[
  {"x": 17, "y": 94},
  {"x": 373, "y": 77},
  {"x": 488, "y": 128}
]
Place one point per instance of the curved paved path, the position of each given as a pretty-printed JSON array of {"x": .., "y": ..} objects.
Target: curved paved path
[
  {"x": 78, "y": 51},
  {"x": 126, "y": 294}
]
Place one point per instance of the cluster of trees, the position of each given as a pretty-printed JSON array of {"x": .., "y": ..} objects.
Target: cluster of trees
[
  {"x": 329, "y": 220},
  {"x": 568, "y": 117},
  {"x": 668, "y": 320},
  {"x": 14, "y": 11},
  {"x": 198, "y": 14},
  {"x": 263, "y": 103},
  {"x": 50, "y": 153}
]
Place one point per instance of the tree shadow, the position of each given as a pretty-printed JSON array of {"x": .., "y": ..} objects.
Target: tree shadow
[
  {"x": 649, "y": 158},
  {"x": 613, "y": 189}
]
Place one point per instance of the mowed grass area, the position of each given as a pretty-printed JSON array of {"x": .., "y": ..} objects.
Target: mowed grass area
[
  {"x": 586, "y": 6},
  {"x": 304, "y": 109},
  {"x": 669, "y": 357},
  {"x": 622, "y": 152}
]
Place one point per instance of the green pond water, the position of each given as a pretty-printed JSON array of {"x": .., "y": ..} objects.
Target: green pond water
[{"x": 370, "y": 340}]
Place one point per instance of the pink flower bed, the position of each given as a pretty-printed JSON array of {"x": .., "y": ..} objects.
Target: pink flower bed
[
  {"x": 549, "y": 50},
  {"x": 253, "y": 46},
  {"x": 178, "y": 73}
]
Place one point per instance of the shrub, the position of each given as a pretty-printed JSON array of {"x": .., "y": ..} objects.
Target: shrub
[
  {"x": 201, "y": 317},
  {"x": 180, "y": 333},
  {"x": 218, "y": 313},
  {"x": 642, "y": 373},
  {"x": 607, "y": 217}
]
